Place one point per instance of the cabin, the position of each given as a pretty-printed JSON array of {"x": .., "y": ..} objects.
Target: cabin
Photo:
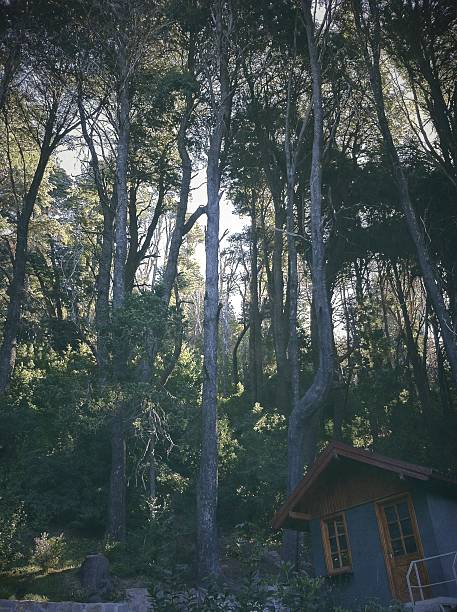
[{"x": 380, "y": 529}]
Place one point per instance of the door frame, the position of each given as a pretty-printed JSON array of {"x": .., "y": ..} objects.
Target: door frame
[{"x": 385, "y": 543}]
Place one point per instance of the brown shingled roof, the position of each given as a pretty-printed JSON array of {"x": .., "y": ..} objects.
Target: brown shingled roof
[{"x": 338, "y": 449}]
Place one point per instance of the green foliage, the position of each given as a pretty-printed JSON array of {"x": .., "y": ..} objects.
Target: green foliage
[
  {"x": 12, "y": 532},
  {"x": 139, "y": 324},
  {"x": 149, "y": 551},
  {"x": 288, "y": 591},
  {"x": 52, "y": 430},
  {"x": 256, "y": 475}
]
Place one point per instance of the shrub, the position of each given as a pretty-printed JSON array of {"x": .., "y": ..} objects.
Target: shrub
[
  {"x": 48, "y": 550},
  {"x": 148, "y": 550}
]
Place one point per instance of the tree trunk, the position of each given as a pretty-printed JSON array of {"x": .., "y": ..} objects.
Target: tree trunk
[
  {"x": 255, "y": 327},
  {"x": 133, "y": 258},
  {"x": 102, "y": 305},
  {"x": 277, "y": 315},
  {"x": 10, "y": 67},
  {"x": 224, "y": 330},
  {"x": 420, "y": 376},
  {"x": 207, "y": 490},
  {"x": 274, "y": 175},
  {"x": 441, "y": 372},
  {"x": 292, "y": 347},
  {"x": 16, "y": 298},
  {"x": 171, "y": 267},
  {"x": 207, "y": 544},
  {"x": 117, "y": 494},
  {"x": 235, "y": 370},
  {"x": 103, "y": 283},
  {"x": 309, "y": 404}
]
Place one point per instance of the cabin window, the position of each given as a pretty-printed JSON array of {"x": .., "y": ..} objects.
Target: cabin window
[
  {"x": 400, "y": 527},
  {"x": 336, "y": 544}
]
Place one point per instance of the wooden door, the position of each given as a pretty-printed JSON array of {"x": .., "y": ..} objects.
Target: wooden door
[{"x": 401, "y": 542}]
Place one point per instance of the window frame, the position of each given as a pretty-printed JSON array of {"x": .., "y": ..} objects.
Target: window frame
[
  {"x": 344, "y": 569},
  {"x": 414, "y": 534}
]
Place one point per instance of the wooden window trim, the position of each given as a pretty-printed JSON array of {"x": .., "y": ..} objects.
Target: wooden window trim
[{"x": 346, "y": 569}]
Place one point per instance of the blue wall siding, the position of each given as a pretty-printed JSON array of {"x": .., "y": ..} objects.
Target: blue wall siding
[
  {"x": 437, "y": 523},
  {"x": 427, "y": 536},
  {"x": 443, "y": 514},
  {"x": 424, "y": 522},
  {"x": 369, "y": 576}
]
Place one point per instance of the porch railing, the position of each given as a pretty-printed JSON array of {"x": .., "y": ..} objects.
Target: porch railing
[{"x": 413, "y": 567}]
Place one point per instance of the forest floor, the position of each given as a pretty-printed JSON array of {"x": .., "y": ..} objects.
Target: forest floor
[
  {"x": 252, "y": 578},
  {"x": 57, "y": 583},
  {"x": 61, "y": 581}
]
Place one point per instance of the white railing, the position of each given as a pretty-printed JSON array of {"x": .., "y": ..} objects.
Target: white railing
[{"x": 420, "y": 585}]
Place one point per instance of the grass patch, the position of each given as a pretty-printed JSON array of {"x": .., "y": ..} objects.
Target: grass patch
[
  {"x": 53, "y": 585},
  {"x": 58, "y": 584}
]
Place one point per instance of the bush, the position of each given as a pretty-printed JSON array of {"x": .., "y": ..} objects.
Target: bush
[
  {"x": 298, "y": 593},
  {"x": 48, "y": 551},
  {"x": 291, "y": 591},
  {"x": 12, "y": 524},
  {"x": 148, "y": 550}
]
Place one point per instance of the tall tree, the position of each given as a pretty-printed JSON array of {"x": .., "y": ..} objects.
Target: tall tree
[
  {"x": 311, "y": 402},
  {"x": 117, "y": 502},
  {"x": 221, "y": 103}
]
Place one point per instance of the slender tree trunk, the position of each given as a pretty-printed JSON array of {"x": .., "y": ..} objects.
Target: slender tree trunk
[
  {"x": 385, "y": 318},
  {"x": 292, "y": 539},
  {"x": 235, "y": 370},
  {"x": 103, "y": 283},
  {"x": 224, "y": 332},
  {"x": 102, "y": 305},
  {"x": 208, "y": 562},
  {"x": 313, "y": 398},
  {"x": 137, "y": 253},
  {"x": 426, "y": 335},
  {"x": 152, "y": 461},
  {"x": 441, "y": 372},
  {"x": 277, "y": 314},
  {"x": 133, "y": 259},
  {"x": 255, "y": 328},
  {"x": 10, "y": 67},
  {"x": 117, "y": 494},
  {"x": 310, "y": 404},
  {"x": 420, "y": 376},
  {"x": 171, "y": 267},
  {"x": 207, "y": 544},
  {"x": 16, "y": 298},
  {"x": 16, "y": 290},
  {"x": 179, "y": 332},
  {"x": 432, "y": 280},
  {"x": 275, "y": 179},
  {"x": 292, "y": 348}
]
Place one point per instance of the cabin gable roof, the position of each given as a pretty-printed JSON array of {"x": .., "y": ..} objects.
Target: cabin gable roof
[{"x": 310, "y": 483}]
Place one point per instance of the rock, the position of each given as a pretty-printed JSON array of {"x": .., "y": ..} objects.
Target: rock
[{"x": 94, "y": 576}]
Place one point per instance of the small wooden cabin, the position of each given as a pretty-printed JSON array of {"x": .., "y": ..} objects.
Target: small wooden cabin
[{"x": 369, "y": 517}]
